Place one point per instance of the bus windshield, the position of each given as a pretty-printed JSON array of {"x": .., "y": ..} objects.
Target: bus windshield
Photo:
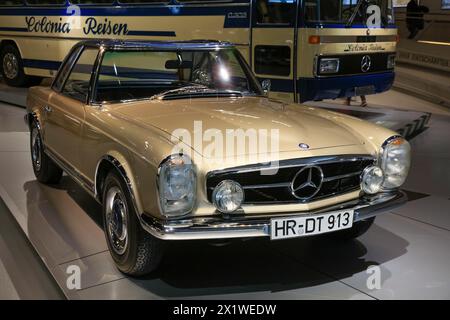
[{"x": 343, "y": 11}]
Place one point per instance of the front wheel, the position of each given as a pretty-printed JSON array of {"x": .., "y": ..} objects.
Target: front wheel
[
  {"x": 358, "y": 229},
  {"x": 45, "y": 170},
  {"x": 134, "y": 251}
]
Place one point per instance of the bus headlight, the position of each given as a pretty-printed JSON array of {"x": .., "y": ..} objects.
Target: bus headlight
[
  {"x": 328, "y": 65},
  {"x": 395, "y": 161},
  {"x": 391, "y": 61},
  {"x": 177, "y": 185}
]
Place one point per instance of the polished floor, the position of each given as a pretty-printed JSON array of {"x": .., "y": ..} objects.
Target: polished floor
[{"x": 63, "y": 225}]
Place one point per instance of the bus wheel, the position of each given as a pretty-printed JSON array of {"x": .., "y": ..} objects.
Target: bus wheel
[{"x": 12, "y": 68}]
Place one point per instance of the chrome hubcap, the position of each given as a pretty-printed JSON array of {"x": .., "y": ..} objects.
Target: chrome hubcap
[
  {"x": 10, "y": 66},
  {"x": 116, "y": 220},
  {"x": 36, "y": 149}
]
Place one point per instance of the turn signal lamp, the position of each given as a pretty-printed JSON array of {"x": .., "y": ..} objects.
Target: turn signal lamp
[{"x": 314, "y": 39}]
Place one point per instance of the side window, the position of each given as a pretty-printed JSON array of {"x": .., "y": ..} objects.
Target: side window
[
  {"x": 77, "y": 84},
  {"x": 275, "y": 11},
  {"x": 273, "y": 60},
  {"x": 62, "y": 74}
]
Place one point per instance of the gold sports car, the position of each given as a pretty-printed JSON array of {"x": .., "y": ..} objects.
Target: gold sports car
[{"x": 178, "y": 141}]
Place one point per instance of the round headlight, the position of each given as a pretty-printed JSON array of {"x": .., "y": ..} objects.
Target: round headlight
[
  {"x": 395, "y": 162},
  {"x": 228, "y": 196},
  {"x": 372, "y": 179}
]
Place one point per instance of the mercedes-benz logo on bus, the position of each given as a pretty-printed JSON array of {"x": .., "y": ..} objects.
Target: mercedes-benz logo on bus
[
  {"x": 307, "y": 182},
  {"x": 366, "y": 62}
]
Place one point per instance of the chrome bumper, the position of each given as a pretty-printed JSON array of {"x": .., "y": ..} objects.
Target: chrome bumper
[{"x": 259, "y": 226}]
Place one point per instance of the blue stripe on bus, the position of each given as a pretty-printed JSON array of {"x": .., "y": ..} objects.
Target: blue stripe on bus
[
  {"x": 106, "y": 71},
  {"x": 151, "y": 33},
  {"x": 279, "y": 85},
  {"x": 41, "y": 64},
  {"x": 18, "y": 29}
]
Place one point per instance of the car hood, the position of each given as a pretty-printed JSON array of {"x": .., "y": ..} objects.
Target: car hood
[{"x": 294, "y": 123}]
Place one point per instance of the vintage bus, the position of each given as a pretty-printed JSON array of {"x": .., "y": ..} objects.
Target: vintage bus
[{"x": 308, "y": 49}]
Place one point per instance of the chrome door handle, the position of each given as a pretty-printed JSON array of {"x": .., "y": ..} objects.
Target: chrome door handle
[{"x": 47, "y": 108}]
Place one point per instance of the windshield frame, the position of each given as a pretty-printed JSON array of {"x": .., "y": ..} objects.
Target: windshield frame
[{"x": 103, "y": 50}]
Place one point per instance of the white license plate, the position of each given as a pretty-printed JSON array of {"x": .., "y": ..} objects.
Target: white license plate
[
  {"x": 300, "y": 226},
  {"x": 362, "y": 91}
]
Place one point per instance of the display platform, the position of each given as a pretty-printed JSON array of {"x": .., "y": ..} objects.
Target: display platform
[{"x": 410, "y": 244}]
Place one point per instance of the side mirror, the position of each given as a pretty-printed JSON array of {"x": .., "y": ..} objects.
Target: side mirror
[{"x": 265, "y": 84}]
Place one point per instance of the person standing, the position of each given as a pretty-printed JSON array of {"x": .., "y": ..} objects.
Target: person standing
[
  {"x": 414, "y": 18},
  {"x": 348, "y": 101}
]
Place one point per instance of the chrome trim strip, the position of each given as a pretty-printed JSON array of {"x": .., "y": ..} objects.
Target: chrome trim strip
[
  {"x": 255, "y": 226},
  {"x": 295, "y": 163},
  {"x": 269, "y": 185},
  {"x": 342, "y": 176},
  {"x": 67, "y": 168}
]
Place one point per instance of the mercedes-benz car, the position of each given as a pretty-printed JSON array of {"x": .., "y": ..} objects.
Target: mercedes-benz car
[{"x": 170, "y": 138}]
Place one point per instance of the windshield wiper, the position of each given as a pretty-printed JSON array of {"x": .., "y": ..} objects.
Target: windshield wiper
[
  {"x": 354, "y": 13},
  {"x": 181, "y": 90},
  {"x": 199, "y": 90}
]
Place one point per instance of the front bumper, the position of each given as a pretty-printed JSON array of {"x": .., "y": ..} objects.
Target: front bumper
[
  {"x": 333, "y": 87},
  {"x": 251, "y": 226}
]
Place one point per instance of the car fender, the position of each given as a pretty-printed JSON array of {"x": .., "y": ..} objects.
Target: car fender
[{"x": 123, "y": 167}]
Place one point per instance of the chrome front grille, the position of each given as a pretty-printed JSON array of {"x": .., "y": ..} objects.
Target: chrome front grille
[{"x": 340, "y": 174}]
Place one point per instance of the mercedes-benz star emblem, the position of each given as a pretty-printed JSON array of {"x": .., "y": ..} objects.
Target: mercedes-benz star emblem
[
  {"x": 307, "y": 182},
  {"x": 366, "y": 62}
]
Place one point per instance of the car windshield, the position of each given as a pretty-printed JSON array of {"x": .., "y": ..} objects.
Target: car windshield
[
  {"x": 149, "y": 74},
  {"x": 341, "y": 11}
]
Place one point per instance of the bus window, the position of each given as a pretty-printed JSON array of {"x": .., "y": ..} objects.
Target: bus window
[
  {"x": 275, "y": 11},
  {"x": 340, "y": 11},
  {"x": 273, "y": 60},
  {"x": 11, "y": 2},
  {"x": 46, "y": 2},
  {"x": 77, "y": 84}
]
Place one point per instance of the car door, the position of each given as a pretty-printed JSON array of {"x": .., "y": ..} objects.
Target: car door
[
  {"x": 273, "y": 45},
  {"x": 65, "y": 111}
]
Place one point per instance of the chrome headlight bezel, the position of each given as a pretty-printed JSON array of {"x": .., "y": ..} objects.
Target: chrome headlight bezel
[
  {"x": 395, "y": 161},
  {"x": 178, "y": 200}
]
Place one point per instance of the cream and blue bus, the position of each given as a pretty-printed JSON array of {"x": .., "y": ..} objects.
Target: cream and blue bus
[{"x": 308, "y": 49}]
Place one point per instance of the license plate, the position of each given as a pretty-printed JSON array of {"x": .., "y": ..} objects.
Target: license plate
[
  {"x": 362, "y": 91},
  {"x": 292, "y": 227}
]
